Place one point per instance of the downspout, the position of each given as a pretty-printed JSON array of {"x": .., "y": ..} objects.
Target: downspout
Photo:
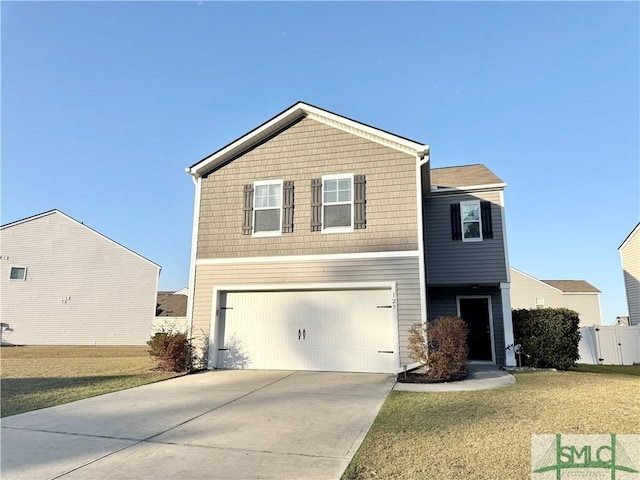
[
  {"x": 422, "y": 158},
  {"x": 197, "y": 180}
]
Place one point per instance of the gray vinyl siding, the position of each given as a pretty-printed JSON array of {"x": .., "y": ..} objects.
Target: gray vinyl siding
[
  {"x": 630, "y": 256},
  {"x": 404, "y": 271},
  {"x": 442, "y": 302},
  {"x": 81, "y": 288},
  {"x": 454, "y": 262}
]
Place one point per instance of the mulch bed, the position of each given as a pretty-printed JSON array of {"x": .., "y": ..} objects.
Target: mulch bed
[{"x": 419, "y": 375}]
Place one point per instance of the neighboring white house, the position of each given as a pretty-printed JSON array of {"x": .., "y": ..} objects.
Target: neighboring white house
[
  {"x": 630, "y": 258},
  {"x": 66, "y": 284},
  {"x": 171, "y": 311},
  {"x": 578, "y": 295}
]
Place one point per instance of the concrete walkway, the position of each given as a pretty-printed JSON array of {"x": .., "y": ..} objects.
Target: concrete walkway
[
  {"x": 213, "y": 425},
  {"x": 481, "y": 377}
]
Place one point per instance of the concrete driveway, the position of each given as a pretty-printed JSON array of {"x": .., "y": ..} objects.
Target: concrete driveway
[{"x": 212, "y": 425}]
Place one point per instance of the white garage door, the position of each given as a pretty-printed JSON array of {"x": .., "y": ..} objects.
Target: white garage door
[{"x": 335, "y": 330}]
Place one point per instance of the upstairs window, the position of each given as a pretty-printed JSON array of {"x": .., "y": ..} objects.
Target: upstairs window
[
  {"x": 338, "y": 203},
  {"x": 18, "y": 273},
  {"x": 471, "y": 221},
  {"x": 267, "y": 208},
  {"x": 470, "y": 217}
]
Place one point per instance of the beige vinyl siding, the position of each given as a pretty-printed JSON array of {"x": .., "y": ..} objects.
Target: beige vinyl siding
[
  {"x": 302, "y": 152},
  {"x": 630, "y": 256},
  {"x": 81, "y": 288},
  {"x": 452, "y": 262},
  {"x": 525, "y": 290},
  {"x": 403, "y": 270}
]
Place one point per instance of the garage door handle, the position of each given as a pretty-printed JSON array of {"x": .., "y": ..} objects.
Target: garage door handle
[
  {"x": 223, "y": 349},
  {"x": 298, "y": 334},
  {"x": 385, "y": 351},
  {"x": 304, "y": 334}
]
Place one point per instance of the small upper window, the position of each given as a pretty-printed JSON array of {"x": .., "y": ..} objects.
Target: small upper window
[
  {"x": 539, "y": 302},
  {"x": 18, "y": 273},
  {"x": 337, "y": 202},
  {"x": 267, "y": 207},
  {"x": 470, "y": 217}
]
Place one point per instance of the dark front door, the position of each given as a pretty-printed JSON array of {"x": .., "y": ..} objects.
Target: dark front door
[{"x": 475, "y": 312}]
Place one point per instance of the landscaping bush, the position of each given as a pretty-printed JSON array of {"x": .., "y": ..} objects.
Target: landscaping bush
[
  {"x": 445, "y": 351},
  {"x": 173, "y": 351},
  {"x": 548, "y": 337}
]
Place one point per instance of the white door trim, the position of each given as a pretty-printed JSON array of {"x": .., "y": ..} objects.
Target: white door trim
[
  {"x": 220, "y": 290},
  {"x": 490, "y": 306}
]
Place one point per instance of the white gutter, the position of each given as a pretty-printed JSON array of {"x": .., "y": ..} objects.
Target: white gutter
[
  {"x": 422, "y": 158},
  {"x": 194, "y": 244}
]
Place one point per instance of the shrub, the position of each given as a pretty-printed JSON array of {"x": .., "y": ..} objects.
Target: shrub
[
  {"x": 548, "y": 337},
  {"x": 445, "y": 351},
  {"x": 173, "y": 351}
]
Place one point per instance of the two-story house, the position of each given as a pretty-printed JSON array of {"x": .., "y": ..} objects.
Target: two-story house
[{"x": 318, "y": 241}]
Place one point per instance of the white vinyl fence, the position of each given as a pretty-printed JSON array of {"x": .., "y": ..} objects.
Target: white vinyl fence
[{"x": 610, "y": 345}]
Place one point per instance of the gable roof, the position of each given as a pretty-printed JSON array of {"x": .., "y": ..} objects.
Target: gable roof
[
  {"x": 572, "y": 286},
  {"x": 565, "y": 286},
  {"x": 64, "y": 215},
  {"x": 293, "y": 114},
  {"x": 464, "y": 176},
  {"x": 630, "y": 236},
  {"x": 171, "y": 304}
]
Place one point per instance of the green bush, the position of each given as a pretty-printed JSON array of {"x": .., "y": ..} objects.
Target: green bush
[
  {"x": 548, "y": 337},
  {"x": 445, "y": 351},
  {"x": 173, "y": 351}
]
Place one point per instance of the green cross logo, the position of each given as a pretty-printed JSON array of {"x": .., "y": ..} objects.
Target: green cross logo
[{"x": 612, "y": 456}]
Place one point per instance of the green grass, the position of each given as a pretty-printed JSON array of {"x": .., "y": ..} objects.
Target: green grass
[
  {"x": 620, "y": 369},
  {"x": 487, "y": 434},
  {"x": 39, "y": 377}
]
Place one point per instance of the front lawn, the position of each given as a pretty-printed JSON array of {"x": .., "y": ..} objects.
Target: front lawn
[
  {"x": 487, "y": 434},
  {"x": 39, "y": 377}
]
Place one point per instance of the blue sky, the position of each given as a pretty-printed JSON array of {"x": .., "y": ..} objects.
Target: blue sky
[{"x": 105, "y": 103}]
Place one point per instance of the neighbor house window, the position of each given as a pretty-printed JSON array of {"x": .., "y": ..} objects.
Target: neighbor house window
[
  {"x": 18, "y": 273},
  {"x": 337, "y": 202},
  {"x": 539, "y": 302},
  {"x": 267, "y": 207}
]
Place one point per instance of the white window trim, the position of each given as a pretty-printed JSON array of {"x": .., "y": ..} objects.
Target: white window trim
[
  {"x": 471, "y": 202},
  {"x": 338, "y": 229},
  {"x": 273, "y": 233},
  {"x": 540, "y": 302},
  {"x": 18, "y": 279}
]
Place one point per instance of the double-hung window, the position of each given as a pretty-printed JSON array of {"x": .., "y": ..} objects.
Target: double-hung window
[
  {"x": 471, "y": 223},
  {"x": 267, "y": 208},
  {"x": 337, "y": 203}
]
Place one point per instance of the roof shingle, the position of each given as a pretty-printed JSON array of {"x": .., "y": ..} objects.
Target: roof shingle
[
  {"x": 572, "y": 286},
  {"x": 463, "y": 176}
]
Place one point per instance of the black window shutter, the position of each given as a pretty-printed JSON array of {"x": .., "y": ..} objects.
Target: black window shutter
[
  {"x": 360, "y": 201},
  {"x": 247, "y": 223},
  {"x": 487, "y": 224},
  {"x": 287, "y": 207},
  {"x": 456, "y": 227},
  {"x": 316, "y": 204}
]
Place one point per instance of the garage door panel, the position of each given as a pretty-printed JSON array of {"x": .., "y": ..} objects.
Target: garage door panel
[{"x": 337, "y": 330}]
